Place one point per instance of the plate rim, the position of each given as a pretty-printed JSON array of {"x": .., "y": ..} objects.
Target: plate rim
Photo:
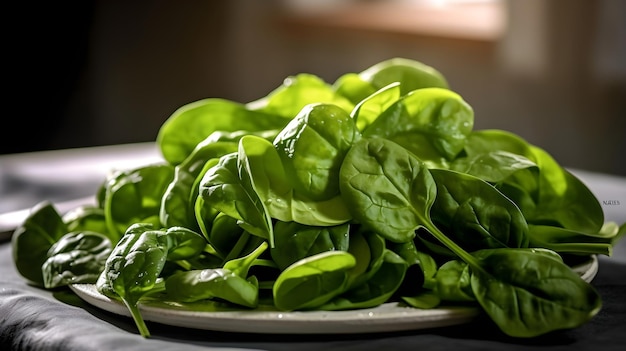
[
  {"x": 387, "y": 317},
  {"x": 391, "y": 316}
]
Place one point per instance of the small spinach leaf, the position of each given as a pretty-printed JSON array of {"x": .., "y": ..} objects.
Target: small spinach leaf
[
  {"x": 34, "y": 237},
  {"x": 227, "y": 188},
  {"x": 295, "y": 241},
  {"x": 313, "y": 281},
  {"x": 475, "y": 214},
  {"x": 77, "y": 257},
  {"x": 192, "y": 123}
]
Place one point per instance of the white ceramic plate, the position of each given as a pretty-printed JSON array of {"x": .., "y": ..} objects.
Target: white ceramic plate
[{"x": 387, "y": 317}]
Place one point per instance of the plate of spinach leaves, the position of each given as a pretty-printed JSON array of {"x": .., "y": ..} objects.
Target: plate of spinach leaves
[{"x": 370, "y": 204}]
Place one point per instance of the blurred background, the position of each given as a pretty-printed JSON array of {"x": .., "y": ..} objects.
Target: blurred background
[{"x": 90, "y": 73}]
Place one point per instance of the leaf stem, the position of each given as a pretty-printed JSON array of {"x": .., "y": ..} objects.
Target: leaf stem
[
  {"x": 456, "y": 249},
  {"x": 133, "y": 308}
]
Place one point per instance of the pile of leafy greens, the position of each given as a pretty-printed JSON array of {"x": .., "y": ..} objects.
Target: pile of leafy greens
[{"x": 371, "y": 190}]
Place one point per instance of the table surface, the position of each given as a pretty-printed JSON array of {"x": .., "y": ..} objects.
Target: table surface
[{"x": 35, "y": 319}]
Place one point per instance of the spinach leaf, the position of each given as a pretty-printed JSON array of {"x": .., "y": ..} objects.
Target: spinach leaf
[
  {"x": 353, "y": 87},
  {"x": 570, "y": 241},
  {"x": 224, "y": 234},
  {"x": 190, "y": 124},
  {"x": 421, "y": 270},
  {"x": 528, "y": 294},
  {"x": 525, "y": 293},
  {"x": 547, "y": 195},
  {"x": 453, "y": 282},
  {"x": 295, "y": 93},
  {"x": 382, "y": 284},
  {"x": 475, "y": 214},
  {"x": 567, "y": 200},
  {"x": 77, "y": 257},
  {"x": 268, "y": 176},
  {"x": 388, "y": 190},
  {"x": 229, "y": 283},
  {"x": 217, "y": 283},
  {"x": 367, "y": 249},
  {"x": 210, "y": 148},
  {"x": 495, "y": 166},
  {"x": 295, "y": 241},
  {"x": 34, "y": 237},
  {"x": 87, "y": 218},
  {"x": 481, "y": 142},
  {"x": 312, "y": 147},
  {"x": 179, "y": 199},
  {"x": 410, "y": 74},
  {"x": 368, "y": 109},
  {"x": 453, "y": 279},
  {"x": 133, "y": 268},
  {"x": 425, "y": 300},
  {"x": 313, "y": 281},
  {"x": 273, "y": 187},
  {"x": 176, "y": 206},
  {"x": 227, "y": 187},
  {"x": 440, "y": 115},
  {"x": 134, "y": 196}
]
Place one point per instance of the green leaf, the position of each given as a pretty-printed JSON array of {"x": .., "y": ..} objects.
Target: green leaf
[
  {"x": 570, "y": 241},
  {"x": 528, "y": 294},
  {"x": 475, "y": 214},
  {"x": 547, "y": 194},
  {"x": 453, "y": 282},
  {"x": 425, "y": 300},
  {"x": 411, "y": 74},
  {"x": 192, "y": 123},
  {"x": 312, "y": 281},
  {"x": 494, "y": 166},
  {"x": 135, "y": 195},
  {"x": 439, "y": 115},
  {"x": 134, "y": 266},
  {"x": 34, "y": 237},
  {"x": 378, "y": 289},
  {"x": 217, "y": 283},
  {"x": 296, "y": 92},
  {"x": 227, "y": 188},
  {"x": 88, "y": 218},
  {"x": 368, "y": 109},
  {"x": 563, "y": 198},
  {"x": 271, "y": 184},
  {"x": 295, "y": 241},
  {"x": 77, "y": 257},
  {"x": 387, "y": 188},
  {"x": 312, "y": 147}
]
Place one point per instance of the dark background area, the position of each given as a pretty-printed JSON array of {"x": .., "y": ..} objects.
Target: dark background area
[{"x": 88, "y": 73}]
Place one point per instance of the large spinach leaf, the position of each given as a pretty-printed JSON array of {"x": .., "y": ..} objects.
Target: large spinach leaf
[
  {"x": 529, "y": 294},
  {"x": 387, "y": 188},
  {"x": 441, "y": 116}
]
